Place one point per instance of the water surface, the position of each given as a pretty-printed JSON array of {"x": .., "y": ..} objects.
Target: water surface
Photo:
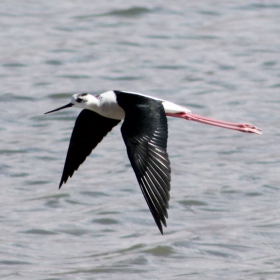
[{"x": 220, "y": 59}]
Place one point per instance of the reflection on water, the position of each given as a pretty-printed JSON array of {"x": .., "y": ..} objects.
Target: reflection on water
[{"x": 220, "y": 60}]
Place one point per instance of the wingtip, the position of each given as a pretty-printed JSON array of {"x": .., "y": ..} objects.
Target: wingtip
[
  {"x": 60, "y": 184},
  {"x": 160, "y": 226}
]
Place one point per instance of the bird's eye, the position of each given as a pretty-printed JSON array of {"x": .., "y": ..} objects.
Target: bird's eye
[{"x": 79, "y": 99}]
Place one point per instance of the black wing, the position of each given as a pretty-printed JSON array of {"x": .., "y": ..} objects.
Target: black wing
[
  {"x": 145, "y": 134},
  {"x": 89, "y": 130}
]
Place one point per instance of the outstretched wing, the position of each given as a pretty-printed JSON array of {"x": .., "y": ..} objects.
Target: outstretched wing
[
  {"x": 89, "y": 130},
  {"x": 145, "y": 134}
]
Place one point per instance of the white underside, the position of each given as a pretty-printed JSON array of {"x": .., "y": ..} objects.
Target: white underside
[{"x": 173, "y": 108}]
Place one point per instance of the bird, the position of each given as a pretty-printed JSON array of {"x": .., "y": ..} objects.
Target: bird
[{"x": 144, "y": 131}]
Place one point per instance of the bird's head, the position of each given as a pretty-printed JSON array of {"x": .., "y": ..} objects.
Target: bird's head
[{"x": 80, "y": 100}]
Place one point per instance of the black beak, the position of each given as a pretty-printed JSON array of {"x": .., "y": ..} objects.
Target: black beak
[{"x": 60, "y": 108}]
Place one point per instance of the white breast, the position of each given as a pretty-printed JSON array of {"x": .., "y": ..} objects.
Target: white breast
[{"x": 109, "y": 106}]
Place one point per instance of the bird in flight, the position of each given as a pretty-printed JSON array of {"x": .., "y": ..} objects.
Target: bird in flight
[{"x": 144, "y": 131}]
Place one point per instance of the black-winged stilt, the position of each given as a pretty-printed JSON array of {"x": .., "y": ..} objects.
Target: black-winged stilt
[{"x": 144, "y": 132}]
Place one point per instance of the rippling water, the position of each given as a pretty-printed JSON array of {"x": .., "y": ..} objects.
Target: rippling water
[{"x": 220, "y": 59}]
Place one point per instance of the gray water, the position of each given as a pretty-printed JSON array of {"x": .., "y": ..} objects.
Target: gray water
[{"x": 218, "y": 58}]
